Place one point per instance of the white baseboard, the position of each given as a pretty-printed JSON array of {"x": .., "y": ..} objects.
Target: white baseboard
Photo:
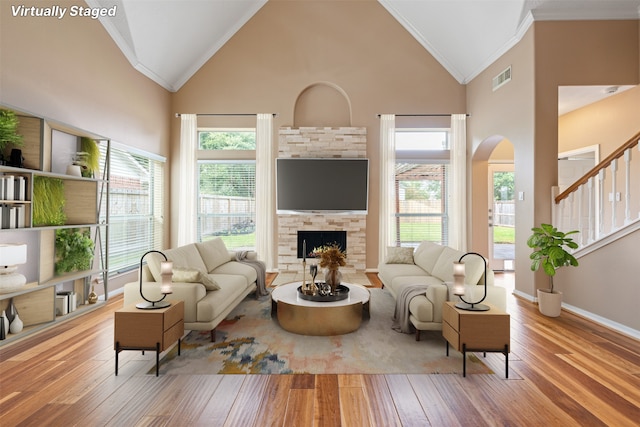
[
  {"x": 618, "y": 327},
  {"x": 608, "y": 323}
]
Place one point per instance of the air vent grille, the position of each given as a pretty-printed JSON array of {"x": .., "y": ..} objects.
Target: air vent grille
[{"x": 502, "y": 79}]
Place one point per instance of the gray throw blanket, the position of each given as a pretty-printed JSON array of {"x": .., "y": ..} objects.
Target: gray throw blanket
[
  {"x": 241, "y": 256},
  {"x": 401, "y": 321}
]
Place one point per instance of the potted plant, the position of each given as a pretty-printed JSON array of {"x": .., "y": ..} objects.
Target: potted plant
[
  {"x": 550, "y": 250},
  {"x": 332, "y": 257},
  {"x": 74, "y": 250},
  {"x": 8, "y": 132}
]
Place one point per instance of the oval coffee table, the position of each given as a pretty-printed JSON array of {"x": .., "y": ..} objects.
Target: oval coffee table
[{"x": 306, "y": 317}]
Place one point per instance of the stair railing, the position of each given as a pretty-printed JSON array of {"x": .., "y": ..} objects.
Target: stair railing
[{"x": 582, "y": 206}]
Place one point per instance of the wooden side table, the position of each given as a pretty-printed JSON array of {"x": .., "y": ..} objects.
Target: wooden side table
[
  {"x": 155, "y": 330},
  {"x": 485, "y": 331}
]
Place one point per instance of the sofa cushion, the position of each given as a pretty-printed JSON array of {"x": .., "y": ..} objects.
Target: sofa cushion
[
  {"x": 237, "y": 268},
  {"x": 426, "y": 255},
  {"x": 387, "y": 272},
  {"x": 444, "y": 264},
  {"x": 214, "y": 303},
  {"x": 473, "y": 266},
  {"x": 400, "y": 282},
  {"x": 182, "y": 257},
  {"x": 214, "y": 253},
  {"x": 396, "y": 255}
]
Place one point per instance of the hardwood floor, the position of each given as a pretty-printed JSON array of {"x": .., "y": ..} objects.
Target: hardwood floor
[{"x": 563, "y": 372}]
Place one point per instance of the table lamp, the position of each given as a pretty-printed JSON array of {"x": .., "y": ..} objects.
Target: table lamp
[
  {"x": 12, "y": 254},
  {"x": 458, "y": 285},
  {"x": 166, "y": 270}
]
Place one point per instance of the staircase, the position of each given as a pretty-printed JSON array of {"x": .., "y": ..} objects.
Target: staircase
[{"x": 604, "y": 204}]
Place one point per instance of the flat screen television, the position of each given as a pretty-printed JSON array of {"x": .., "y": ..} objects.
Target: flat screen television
[{"x": 335, "y": 185}]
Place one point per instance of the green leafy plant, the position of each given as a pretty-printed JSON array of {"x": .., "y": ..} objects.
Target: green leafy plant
[
  {"x": 74, "y": 250},
  {"x": 9, "y": 130},
  {"x": 48, "y": 201},
  {"x": 89, "y": 157},
  {"x": 550, "y": 250}
]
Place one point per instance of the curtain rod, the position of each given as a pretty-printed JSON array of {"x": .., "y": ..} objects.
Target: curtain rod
[
  {"x": 424, "y": 115},
  {"x": 227, "y": 114}
]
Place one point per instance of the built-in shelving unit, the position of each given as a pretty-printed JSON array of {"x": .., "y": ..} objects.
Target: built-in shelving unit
[{"x": 48, "y": 149}]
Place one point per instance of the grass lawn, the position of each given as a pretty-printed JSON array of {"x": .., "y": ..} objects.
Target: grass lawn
[
  {"x": 419, "y": 231},
  {"x": 504, "y": 234},
  {"x": 237, "y": 241}
]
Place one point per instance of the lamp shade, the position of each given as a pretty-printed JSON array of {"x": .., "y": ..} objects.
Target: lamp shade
[{"x": 13, "y": 254}]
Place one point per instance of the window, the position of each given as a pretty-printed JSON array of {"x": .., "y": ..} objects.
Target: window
[
  {"x": 136, "y": 205},
  {"x": 421, "y": 184},
  {"x": 227, "y": 187}
]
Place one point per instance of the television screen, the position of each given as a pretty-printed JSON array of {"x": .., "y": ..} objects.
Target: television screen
[{"x": 322, "y": 185}]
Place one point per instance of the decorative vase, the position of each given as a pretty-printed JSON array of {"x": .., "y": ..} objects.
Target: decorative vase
[
  {"x": 5, "y": 324},
  {"x": 17, "y": 325},
  {"x": 333, "y": 277},
  {"x": 74, "y": 170},
  {"x": 93, "y": 297},
  {"x": 11, "y": 311}
]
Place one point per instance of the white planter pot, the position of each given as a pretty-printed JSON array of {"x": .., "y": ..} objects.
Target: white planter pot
[{"x": 549, "y": 303}]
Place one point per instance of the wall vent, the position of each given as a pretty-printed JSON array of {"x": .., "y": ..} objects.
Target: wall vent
[{"x": 502, "y": 79}]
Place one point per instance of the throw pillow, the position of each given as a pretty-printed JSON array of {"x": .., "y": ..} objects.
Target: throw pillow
[
  {"x": 187, "y": 275},
  {"x": 208, "y": 282},
  {"x": 397, "y": 255},
  {"x": 214, "y": 253},
  {"x": 190, "y": 275}
]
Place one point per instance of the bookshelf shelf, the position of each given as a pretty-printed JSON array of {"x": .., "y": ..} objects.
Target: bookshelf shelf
[{"x": 46, "y": 152}]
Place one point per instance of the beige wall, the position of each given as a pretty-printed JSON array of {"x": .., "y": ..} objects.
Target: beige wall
[
  {"x": 71, "y": 71},
  {"x": 505, "y": 113},
  {"x": 608, "y": 123},
  {"x": 355, "y": 46},
  {"x": 525, "y": 111}
]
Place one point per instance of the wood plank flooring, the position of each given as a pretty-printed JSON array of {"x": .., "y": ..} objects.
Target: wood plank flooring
[{"x": 565, "y": 371}]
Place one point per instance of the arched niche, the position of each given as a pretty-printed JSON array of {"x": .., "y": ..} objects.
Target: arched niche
[{"x": 322, "y": 104}]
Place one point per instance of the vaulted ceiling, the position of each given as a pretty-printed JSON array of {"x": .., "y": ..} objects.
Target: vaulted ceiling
[{"x": 465, "y": 36}]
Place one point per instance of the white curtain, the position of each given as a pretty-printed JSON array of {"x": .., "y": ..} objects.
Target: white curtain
[
  {"x": 187, "y": 164},
  {"x": 387, "y": 184},
  {"x": 264, "y": 190},
  {"x": 458, "y": 190}
]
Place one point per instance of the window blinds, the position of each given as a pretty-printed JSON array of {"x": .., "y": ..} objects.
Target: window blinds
[{"x": 136, "y": 206}]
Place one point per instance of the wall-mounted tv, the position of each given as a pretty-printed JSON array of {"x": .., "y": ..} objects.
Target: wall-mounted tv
[{"x": 335, "y": 185}]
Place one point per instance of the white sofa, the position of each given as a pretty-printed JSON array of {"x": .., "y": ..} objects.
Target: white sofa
[
  {"x": 206, "y": 277},
  {"x": 432, "y": 264}
]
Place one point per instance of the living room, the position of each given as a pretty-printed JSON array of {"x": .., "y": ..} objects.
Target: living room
[
  {"x": 71, "y": 71},
  {"x": 523, "y": 111}
]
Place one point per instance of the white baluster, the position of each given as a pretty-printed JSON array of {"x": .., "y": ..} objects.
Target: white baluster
[
  {"x": 580, "y": 192},
  {"x": 614, "y": 202},
  {"x": 627, "y": 185},
  {"x": 601, "y": 175},
  {"x": 591, "y": 214}
]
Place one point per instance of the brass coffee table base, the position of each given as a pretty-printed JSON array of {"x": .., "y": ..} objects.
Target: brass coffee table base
[
  {"x": 319, "y": 321},
  {"x": 303, "y": 317}
]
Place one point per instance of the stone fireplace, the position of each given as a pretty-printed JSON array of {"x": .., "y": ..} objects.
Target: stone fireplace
[{"x": 322, "y": 142}]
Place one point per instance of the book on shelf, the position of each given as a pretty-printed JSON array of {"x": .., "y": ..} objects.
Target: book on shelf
[
  {"x": 13, "y": 187},
  {"x": 8, "y": 187},
  {"x": 20, "y": 189},
  {"x": 62, "y": 305},
  {"x": 12, "y": 216},
  {"x": 70, "y": 300}
]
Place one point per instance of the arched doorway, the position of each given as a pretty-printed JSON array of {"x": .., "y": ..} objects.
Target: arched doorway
[{"x": 493, "y": 161}]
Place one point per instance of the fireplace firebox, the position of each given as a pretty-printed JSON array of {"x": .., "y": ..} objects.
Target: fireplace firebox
[{"x": 314, "y": 239}]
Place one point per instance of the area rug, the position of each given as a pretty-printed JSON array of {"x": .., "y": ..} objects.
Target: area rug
[{"x": 250, "y": 341}]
